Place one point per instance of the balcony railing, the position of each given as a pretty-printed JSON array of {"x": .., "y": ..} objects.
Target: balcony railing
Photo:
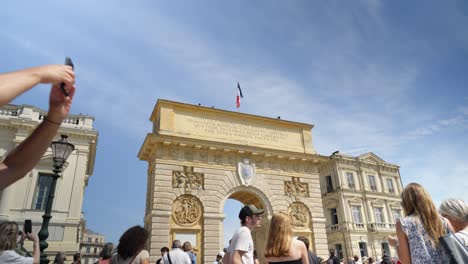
[
  {"x": 374, "y": 227},
  {"x": 338, "y": 227},
  {"x": 26, "y": 112},
  {"x": 359, "y": 226}
]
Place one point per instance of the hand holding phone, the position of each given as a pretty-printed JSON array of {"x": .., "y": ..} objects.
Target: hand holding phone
[{"x": 68, "y": 62}]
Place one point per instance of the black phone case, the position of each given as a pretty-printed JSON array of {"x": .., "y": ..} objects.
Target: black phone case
[{"x": 27, "y": 226}]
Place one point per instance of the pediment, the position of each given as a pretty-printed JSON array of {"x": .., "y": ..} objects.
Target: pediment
[
  {"x": 355, "y": 200},
  {"x": 378, "y": 202},
  {"x": 396, "y": 205},
  {"x": 372, "y": 158},
  {"x": 332, "y": 203}
]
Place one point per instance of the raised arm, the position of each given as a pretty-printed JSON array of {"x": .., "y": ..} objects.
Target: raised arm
[
  {"x": 15, "y": 83},
  {"x": 304, "y": 253},
  {"x": 36, "y": 252},
  {"x": 25, "y": 156},
  {"x": 403, "y": 248}
]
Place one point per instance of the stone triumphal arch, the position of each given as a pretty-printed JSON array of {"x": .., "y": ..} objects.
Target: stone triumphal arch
[{"x": 198, "y": 157}]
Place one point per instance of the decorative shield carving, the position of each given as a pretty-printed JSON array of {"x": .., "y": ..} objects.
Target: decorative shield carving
[
  {"x": 299, "y": 215},
  {"x": 187, "y": 179},
  {"x": 186, "y": 210},
  {"x": 246, "y": 171}
]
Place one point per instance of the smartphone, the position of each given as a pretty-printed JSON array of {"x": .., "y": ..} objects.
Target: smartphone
[
  {"x": 27, "y": 226},
  {"x": 68, "y": 62}
]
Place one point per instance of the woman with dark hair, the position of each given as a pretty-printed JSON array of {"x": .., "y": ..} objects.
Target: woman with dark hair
[
  {"x": 418, "y": 233},
  {"x": 8, "y": 236},
  {"x": 106, "y": 254},
  {"x": 130, "y": 249},
  {"x": 281, "y": 247}
]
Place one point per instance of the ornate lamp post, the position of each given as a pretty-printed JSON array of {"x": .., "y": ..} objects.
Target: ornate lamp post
[{"x": 61, "y": 150}]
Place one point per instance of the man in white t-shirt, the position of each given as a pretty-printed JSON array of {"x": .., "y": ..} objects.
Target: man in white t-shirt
[
  {"x": 241, "y": 248},
  {"x": 176, "y": 255}
]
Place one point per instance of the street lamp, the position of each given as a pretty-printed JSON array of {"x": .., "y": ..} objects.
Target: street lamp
[{"x": 61, "y": 150}]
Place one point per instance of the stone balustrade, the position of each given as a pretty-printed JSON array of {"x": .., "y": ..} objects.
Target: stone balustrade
[{"x": 27, "y": 112}]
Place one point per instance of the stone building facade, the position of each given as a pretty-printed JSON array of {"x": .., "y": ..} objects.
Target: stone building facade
[
  {"x": 90, "y": 246},
  {"x": 361, "y": 201},
  {"x": 198, "y": 157},
  {"x": 26, "y": 198}
]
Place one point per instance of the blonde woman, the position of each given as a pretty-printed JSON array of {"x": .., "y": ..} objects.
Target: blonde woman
[
  {"x": 281, "y": 247},
  {"x": 8, "y": 236},
  {"x": 419, "y": 231}
]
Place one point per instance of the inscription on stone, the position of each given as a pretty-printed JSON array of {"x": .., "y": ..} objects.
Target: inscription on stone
[{"x": 237, "y": 130}]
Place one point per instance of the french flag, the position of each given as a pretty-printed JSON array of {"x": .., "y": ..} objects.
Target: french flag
[{"x": 239, "y": 96}]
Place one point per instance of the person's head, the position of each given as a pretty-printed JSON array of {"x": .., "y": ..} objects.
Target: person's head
[
  {"x": 176, "y": 244},
  {"x": 60, "y": 258},
  {"x": 187, "y": 246},
  {"x": 456, "y": 211},
  {"x": 279, "y": 235},
  {"x": 8, "y": 236},
  {"x": 356, "y": 258},
  {"x": 386, "y": 260},
  {"x": 220, "y": 256},
  {"x": 305, "y": 240},
  {"x": 250, "y": 216},
  {"x": 132, "y": 241},
  {"x": 164, "y": 250},
  {"x": 370, "y": 260},
  {"x": 332, "y": 252},
  {"x": 106, "y": 252},
  {"x": 76, "y": 256},
  {"x": 416, "y": 200}
]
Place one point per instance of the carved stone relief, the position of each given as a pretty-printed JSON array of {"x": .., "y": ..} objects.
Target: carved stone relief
[
  {"x": 259, "y": 163},
  {"x": 296, "y": 188},
  {"x": 231, "y": 159},
  {"x": 188, "y": 179},
  {"x": 299, "y": 214},
  {"x": 283, "y": 166},
  {"x": 203, "y": 155},
  {"x": 186, "y": 210},
  {"x": 188, "y": 155},
  {"x": 218, "y": 158},
  {"x": 174, "y": 153}
]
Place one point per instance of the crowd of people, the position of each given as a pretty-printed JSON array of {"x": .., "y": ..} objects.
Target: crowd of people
[{"x": 416, "y": 240}]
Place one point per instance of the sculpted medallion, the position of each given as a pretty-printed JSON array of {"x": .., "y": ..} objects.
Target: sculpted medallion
[
  {"x": 187, "y": 179},
  {"x": 299, "y": 215},
  {"x": 186, "y": 210},
  {"x": 246, "y": 171}
]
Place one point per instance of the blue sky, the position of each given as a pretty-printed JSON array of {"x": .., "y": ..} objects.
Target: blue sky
[{"x": 381, "y": 76}]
